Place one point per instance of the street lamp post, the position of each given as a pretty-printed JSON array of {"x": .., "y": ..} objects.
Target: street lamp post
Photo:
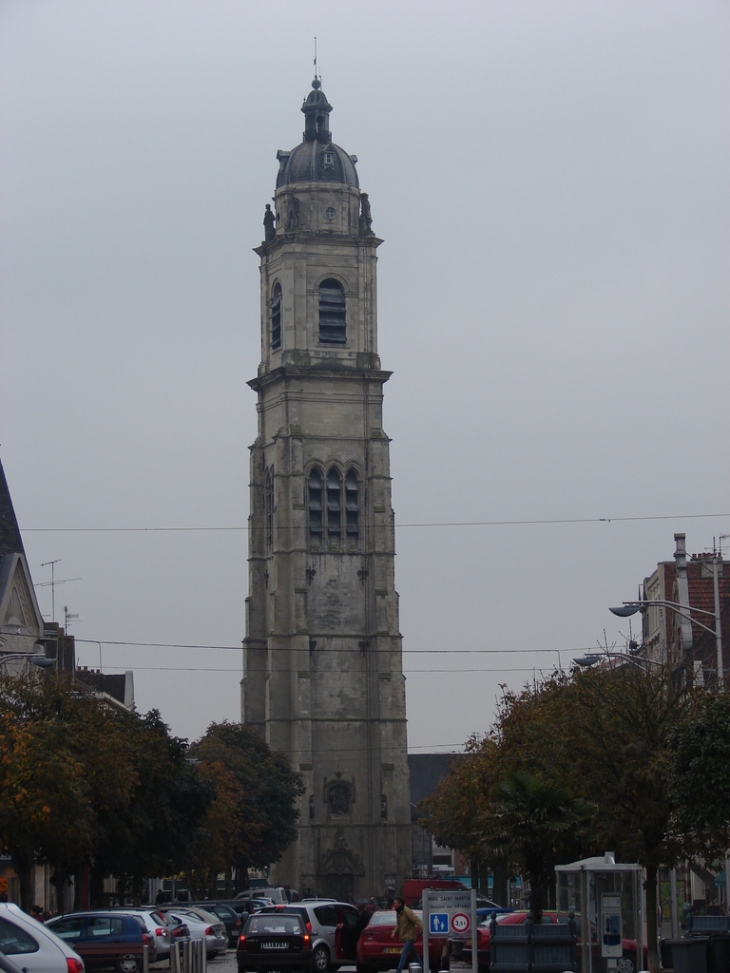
[{"x": 632, "y": 607}]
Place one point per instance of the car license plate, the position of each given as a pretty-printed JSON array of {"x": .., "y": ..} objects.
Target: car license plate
[
  {"x": 393, "y": 949},
  {"x": 274, "y": 945}
]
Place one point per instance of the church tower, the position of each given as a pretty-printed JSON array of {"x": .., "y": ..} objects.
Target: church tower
[{"x": 323, "y": 679}]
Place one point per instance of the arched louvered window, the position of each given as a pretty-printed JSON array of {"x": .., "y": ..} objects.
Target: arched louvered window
[
  {"x": 269, "y": 509},
  {"x": 332, "y": 317},
  {"x": 276, "y": 318},
  {"x": 315, "y": 503},
  {"x": 352, "y": 504},
  {"x": 334, "y": 505}
]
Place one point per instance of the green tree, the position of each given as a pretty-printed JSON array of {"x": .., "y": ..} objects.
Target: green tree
[
  {"x": 265, "y": 823},
  {"x": 700, "y": 776},
  {"x": 534, "y": 821},
  {"x": 157, "y": 830}
]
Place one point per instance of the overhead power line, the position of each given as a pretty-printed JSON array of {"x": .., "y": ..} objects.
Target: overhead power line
[
  {"x": 226, "y": 669},
  {"x": 455, "y": 523},
  {"x": 239, "y": 648}
]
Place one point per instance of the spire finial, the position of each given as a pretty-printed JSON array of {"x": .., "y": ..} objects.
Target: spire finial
[{"x": 316, "y": 75}]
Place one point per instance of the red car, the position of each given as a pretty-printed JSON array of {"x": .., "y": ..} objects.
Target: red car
[
  {"x": 378, "y": 949},
  {"x": 626, "y": 964}
]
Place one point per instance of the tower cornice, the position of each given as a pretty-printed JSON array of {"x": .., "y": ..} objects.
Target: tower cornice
[
  {"x": 318, "y": 373},
  {"x": 307, "y": 236}
]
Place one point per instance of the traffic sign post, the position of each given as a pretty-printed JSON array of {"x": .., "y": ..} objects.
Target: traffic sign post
[{"x": 453, "y": 915}]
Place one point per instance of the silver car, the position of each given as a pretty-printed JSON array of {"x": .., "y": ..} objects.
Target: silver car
[
  {"x": 202, "y": 925},
  {"x": 33, "y": 947},
  {"x": 321, "y": 918}
]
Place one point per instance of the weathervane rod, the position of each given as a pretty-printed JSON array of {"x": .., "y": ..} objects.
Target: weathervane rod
[{"x": 315, "y": 58}]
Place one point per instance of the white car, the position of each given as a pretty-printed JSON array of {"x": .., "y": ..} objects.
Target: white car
[{"x": 33, "y": 947}]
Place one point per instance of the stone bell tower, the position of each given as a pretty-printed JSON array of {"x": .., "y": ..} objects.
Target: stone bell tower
[{"x": 323, "y": 679}]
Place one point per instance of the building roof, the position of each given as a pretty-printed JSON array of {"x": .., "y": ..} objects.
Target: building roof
[
  {"x": 317, "y": 158},
  {"x": 10, "y": 540},
  {"x": 427, "y": 770}
]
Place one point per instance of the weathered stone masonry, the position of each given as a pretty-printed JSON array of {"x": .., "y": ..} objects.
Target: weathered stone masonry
[{"x": 323, "y": 678}]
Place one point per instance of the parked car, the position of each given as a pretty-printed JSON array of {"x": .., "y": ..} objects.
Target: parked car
[
  {"x": 625, "y": 964},
  {"x": 33, "y": 946},
  {"x": 8, "y": 966},
  {"x": 227, "y": 915},
  {"x": 321, "y": 920},
  {"x": 157, "y": 927},
  {"x": 105, "y": 939},
  {"x": 202, "y": 925},
  {"x": 274, "y": 941},
  {"x": 252, "y": 903},
  {"x": 378, "y": 949},
  {"x": 279, "y": 894}
]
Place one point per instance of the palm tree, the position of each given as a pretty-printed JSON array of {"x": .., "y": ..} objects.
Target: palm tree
[{"x": 529, "y": 820}]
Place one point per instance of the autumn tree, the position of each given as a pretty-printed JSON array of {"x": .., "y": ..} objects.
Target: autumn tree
[
  {"x": 608, "y": 734},
  {"x": 84, "y": 785},
  {"x": 454, "y": 812}
]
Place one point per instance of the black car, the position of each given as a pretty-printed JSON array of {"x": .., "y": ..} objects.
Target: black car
[{"x": 274, "y": 941}]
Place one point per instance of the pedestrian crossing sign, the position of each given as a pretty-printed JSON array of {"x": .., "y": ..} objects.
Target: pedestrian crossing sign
[{"x": 438, "y": 922}]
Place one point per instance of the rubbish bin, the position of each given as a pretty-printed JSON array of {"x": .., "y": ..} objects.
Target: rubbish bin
[{"x": 690, "y": 955}]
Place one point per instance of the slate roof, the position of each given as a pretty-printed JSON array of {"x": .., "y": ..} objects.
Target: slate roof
[
  {"x": 427, "y": 770},
  {"x": 10, "y": 540}
]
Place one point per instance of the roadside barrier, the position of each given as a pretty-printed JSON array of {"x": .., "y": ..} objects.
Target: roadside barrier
[{"x": 189, "y": 957}]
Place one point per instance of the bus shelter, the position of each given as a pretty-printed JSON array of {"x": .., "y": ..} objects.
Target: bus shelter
[{"x": 607, "y": 900}]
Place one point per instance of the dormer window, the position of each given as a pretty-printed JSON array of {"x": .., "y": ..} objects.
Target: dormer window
[
  {"x": 328, "y": 160},
  {"x": 276, "y": 318},
  {"x": 332, "y": 318}
]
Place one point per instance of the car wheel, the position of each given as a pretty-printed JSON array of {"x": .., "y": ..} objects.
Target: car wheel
[
  {"x": 128, "y": 964},
  {"x": 320, "y": 959},
  {"x": 627, "y": 963}
]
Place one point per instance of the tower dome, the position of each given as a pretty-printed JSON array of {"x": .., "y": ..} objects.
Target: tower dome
[{"x": 317, "y": 158}]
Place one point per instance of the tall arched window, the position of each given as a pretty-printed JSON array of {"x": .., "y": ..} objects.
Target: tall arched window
[
  {"x": 276, "y": 318},
  {"x": 334, "y": 505},
  {"x": 332, "y": 318},
  {"x": 351, "y": 504},
  {"x": 269, "y": 508},
  {"x": 315, "y": 503}
]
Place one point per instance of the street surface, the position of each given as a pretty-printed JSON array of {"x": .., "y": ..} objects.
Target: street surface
[{"x": 226, "y": 963}]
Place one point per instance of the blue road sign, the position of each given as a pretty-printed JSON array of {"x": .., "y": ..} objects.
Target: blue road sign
[{"x": 438, "y": 922}]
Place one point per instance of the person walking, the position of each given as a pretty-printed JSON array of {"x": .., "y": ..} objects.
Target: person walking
[{"x": 407, "y": 927}]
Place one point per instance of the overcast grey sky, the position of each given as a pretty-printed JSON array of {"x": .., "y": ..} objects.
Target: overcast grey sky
[{"x": 550, "y": 179}]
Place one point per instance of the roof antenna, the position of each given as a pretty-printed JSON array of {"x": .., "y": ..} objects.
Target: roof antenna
[{"x": 317, "y": 77}]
